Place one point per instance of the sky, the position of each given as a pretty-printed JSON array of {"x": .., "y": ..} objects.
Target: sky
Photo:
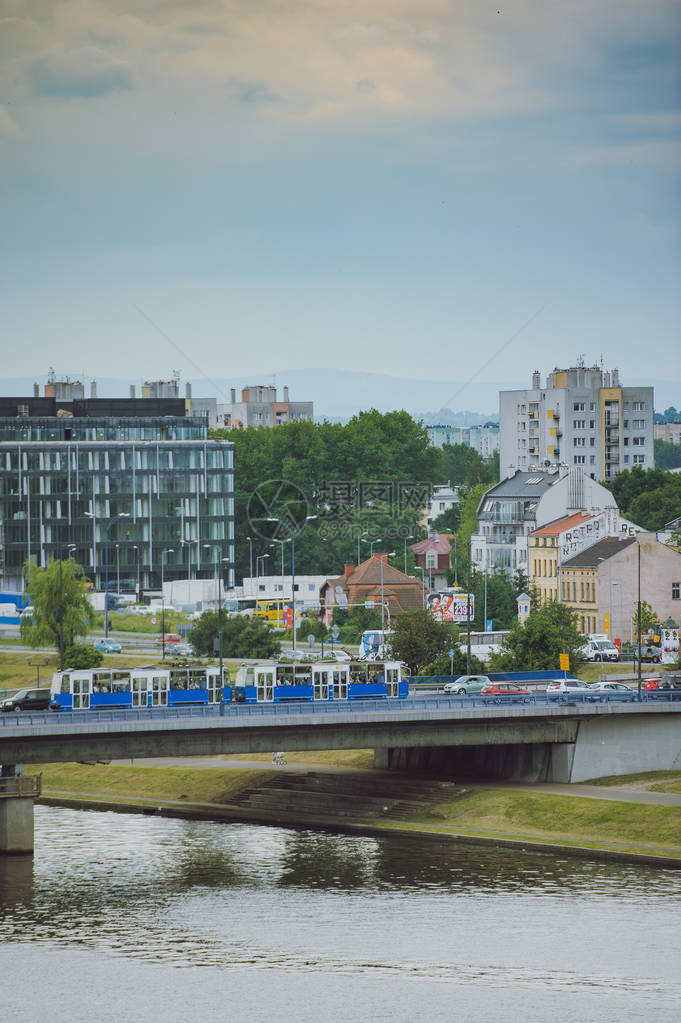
[{"x": 386, "y": 186}]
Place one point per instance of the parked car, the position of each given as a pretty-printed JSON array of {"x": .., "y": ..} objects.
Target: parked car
[
  {"x": 107, "y": 646},
  {"x": 170, "y": 637},
  {"x": 651, "y": 683},
  {"x": 28, "y": 699},
  {"x": 466, "y": 685},
  {"x": 651, "y": 654},
  {"x": 569, "y": 686},
  {"x": 184, "y": 650},
  {"x": 615, "y": 690},
  {"x": 505, "y": 691}
]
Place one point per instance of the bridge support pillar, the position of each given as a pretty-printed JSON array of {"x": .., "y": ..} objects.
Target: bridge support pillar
[{"x": 17, "y": 796}]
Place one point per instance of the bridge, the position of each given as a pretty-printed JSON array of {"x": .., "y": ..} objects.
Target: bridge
[{"x": 542, "y": 739}]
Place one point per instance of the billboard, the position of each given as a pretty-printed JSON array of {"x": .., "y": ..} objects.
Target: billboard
[{"x": 451, "y": 607}]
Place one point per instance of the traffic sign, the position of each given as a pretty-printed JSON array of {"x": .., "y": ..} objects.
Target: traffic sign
[{"x": 335, "y": 631}]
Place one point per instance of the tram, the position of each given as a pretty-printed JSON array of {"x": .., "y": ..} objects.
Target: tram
[
  {"x": 126, "y": 688},
  {"x": 321, "y": 681}
]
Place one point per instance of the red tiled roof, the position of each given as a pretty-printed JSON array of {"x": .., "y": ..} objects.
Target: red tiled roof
[
  {"x": 400, "y": 591},
  {"x": 439, "y": 543},
  {"x": 569, "y": 522}
]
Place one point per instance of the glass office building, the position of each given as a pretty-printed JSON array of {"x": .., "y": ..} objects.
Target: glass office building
[{"x": 140, "y": 498}]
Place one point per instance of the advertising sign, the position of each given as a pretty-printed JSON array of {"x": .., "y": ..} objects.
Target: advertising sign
[{"x": 451, "y": 607}]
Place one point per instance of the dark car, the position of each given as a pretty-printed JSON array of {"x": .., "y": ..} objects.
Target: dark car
[
  {"x": 649, "y": 653},
  {"x": 28, "y": 699}
]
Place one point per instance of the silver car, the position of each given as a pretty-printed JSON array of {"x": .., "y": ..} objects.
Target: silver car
[{"x": 466, "y": 685}]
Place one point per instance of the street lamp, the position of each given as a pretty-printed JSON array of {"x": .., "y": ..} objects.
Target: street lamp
[
  {"x": 137, "y": 566},
  {"x": 308, "y": 518},
  {"x": 250, "y": 549},
  {"x": 121, "y": 515},
  {"x": 411, "y": 537},
  {"x": 359, "y": 540},
  {"x": 91, "y": 515},
  {"x": 166, "y": 550},
  {"x": 70, "y": 547},
  {"x": 118, "y": 569},
  {"x": 391, "y": 555},
  {"x": 421, "y": 569},
  {"x": 370, "y": 542}
]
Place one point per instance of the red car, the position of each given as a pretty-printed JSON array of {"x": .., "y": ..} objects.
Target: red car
[
  {"x": 504, "y": 689},
  {"x": 651, "y": 683}
]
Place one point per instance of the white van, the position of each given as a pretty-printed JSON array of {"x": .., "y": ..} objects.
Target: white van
[{"x": 600, "y": 650}]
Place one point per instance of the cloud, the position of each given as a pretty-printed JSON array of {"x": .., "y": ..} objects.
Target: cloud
[
  {"x": 82, "y": 74},
  {"x": 7, "y": 125},
  {"x": 252, "y": 92}
]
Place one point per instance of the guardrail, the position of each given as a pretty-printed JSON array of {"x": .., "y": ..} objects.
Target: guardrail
[{"x": 21, "y": 787}]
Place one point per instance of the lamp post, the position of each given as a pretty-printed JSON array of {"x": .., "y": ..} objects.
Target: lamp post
[
  {"x": 359, "y": 540},
  {"x": 250, "y": 553},
  {"x": 621, "y": 619},
  {"x": 421, "y": 569},
  {"x": 405, "y": 551},
  {"x": 91, "y": 515},
  {"x": 308, "y": 518},
  {"x": 69, "y": 547},
  {"x": 166, "y": 550},
  {"x": 638, "y": 545},
  {"x": 370, "y": 542},
  {"x": 118, "y": 569},
  {"x": 121, "y": 515},
  {"x": 137, "y": 567},
  {"x": 391, "y": 555}
]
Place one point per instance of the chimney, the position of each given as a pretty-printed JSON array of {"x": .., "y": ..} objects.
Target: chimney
[
  {"x": 348, "y": 570},
  {"x": 93, "y": 388},
  {"x": 286, "y": 394},
  {"x": 615, "y": 378},
  {"x": 536, "y": 381},
  {"x": 606, "y": 379},
  {"x": 132, "y": 390},
  {"x": 36, "y": 390},
  {"x": 188, "y": 391},
  {"x": 232, "y": 395},
  {"x": 382, "y": 557}
]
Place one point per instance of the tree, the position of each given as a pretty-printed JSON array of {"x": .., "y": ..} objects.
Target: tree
[
  {"x": 82, "y": 655},
  {"x": 417, "y": 639},
  {"x": 549, "y": 631},
  {"x": 61, "y": 608},
  {"x": 241, "y": 637},
  {"x": 650, "y": 621},
  {"x": 458, "y": 665},
  {"x": 650, "y": 497},
  {"x": 667, "y": 455}
]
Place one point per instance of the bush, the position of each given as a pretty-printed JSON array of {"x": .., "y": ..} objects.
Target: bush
[
  {"x": 82, "y": 655},
  {"x": 441, "y": 665}
]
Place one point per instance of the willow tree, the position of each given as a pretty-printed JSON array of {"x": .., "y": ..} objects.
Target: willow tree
[{"x": 61, "y": 608}]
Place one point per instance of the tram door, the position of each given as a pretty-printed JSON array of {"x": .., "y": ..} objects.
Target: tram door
[
  {"x": 340, "y": 683},
  {"x": 392, "y": 682},
  {"x": 264, "y": 685},
  {"x": 159, "y": 691},
  {"x": 320, "y": 681},
  {"x": 214, "y": 687},
  {"x": 81, "y": 693},
  {"x": 139, "y": 691}
]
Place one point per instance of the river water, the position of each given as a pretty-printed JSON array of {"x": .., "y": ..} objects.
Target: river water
[{"x": 125, "y": 918}]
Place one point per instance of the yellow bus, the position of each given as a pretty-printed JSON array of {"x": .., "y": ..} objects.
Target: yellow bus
[{"x": 275, "y": 612}]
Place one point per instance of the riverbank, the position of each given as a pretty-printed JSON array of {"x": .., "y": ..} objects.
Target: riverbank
[{"x": 619, "y": 829}]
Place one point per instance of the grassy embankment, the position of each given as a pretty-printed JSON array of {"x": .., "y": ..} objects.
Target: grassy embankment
[
  {"x": 501, "y": 813},
  {"x": 653, "y": 781}
]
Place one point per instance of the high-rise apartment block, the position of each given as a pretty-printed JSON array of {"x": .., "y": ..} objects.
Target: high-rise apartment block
[{"x": 581, "y": 417}]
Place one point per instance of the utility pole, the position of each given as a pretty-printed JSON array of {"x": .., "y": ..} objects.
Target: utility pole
[
  {"x": 468, "y": 624},
  {"x": 638, "y": 545}
]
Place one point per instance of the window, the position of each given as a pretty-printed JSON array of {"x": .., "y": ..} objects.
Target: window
[
  {"x": 639, "y": 459},
  {"x": 592, "y": 459},
  {"x": 676, "y": 591},
  {"x": 580, "y": 459},
  {"x": 626, "y": 442},
  {"x": 579, "y": 442},
  {"x": 626, "y": 459},
  {"x": 639, "y": 406},
  {"x": 579, "y": 424},
  {"x": 592, "y": 442},
  {"x": 638, "y": 442},
  {"x": 592, "y": 424},
  {"x": 578, "y": 406},
  {"x": 639, "y": 424}
]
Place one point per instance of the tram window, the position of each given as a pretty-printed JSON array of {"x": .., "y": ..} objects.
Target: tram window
[
  {"x": 197, "y": 680},
  {"x": 139, "y": 684},
  {"x": 66, "y": 683}
]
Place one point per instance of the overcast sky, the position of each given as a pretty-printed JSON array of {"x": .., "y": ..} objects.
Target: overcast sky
[{"x": 395, "y": 185}]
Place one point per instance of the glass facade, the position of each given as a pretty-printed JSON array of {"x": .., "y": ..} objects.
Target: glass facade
[
  {"x": 173, "y": 495},
  {"x": 69, "y": 428}
]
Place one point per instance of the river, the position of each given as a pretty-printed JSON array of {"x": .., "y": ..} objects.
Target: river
[{"x": 125, "y": 918}]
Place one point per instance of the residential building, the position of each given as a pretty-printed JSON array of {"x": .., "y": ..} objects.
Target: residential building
[
  {"x": 524, "y": 603},
  {"x": 258, "y": 407},
  {"x": 582, "y": 417},
  {"x": 278, "y": 587},
  {"x": 551, "y": 545},
  {"x": 514, "y": 508},
  {"x": 368, "y": 583},
  {"x": 669, "y": 531},
  {"x": 601, "y": 583},
  {"x": 432, "y": 557},
  {"x": 483, "y": 439},
  {"x": 671, "y": 432},
  {"x": 133, "y": 483},
  {"x": 442, "y": 500}
]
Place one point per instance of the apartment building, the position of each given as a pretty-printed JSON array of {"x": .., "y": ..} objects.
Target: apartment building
[
  {"x": 483, "y": 439},
  {"x": 670, "y": 432},
  {"x": 581, "y": 417},
  {"x": 513, "y": 509},
  {"x": 131, "y": 488}
]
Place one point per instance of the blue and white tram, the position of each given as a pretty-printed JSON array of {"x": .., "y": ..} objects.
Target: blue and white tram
[
  {"x": 324, "y": 681},
  {"x": 125, "y": 688}
]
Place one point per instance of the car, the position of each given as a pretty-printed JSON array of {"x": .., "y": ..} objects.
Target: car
[
  {"x": 107, "y": 646},
  {"x": 568, "y": 686},
  {"x": 170, "y": 637},
  {"x": 184, "y": 650},
  {"x": 505, "y": 691},
  {"x": 613, "y": 690},
  {"x": 28, "y": 699},
  {"x": 651, "y": 683},
  {"x": 652, "y": 654},
  {"x": 599, "y": 650},
  {"x": 466, "y": 685}
]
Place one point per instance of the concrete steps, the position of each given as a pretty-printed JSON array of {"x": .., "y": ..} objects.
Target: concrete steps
[{"x": 313, "y": 795}]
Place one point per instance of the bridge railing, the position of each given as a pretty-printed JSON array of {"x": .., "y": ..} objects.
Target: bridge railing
[{"x": 20, "y": 786}]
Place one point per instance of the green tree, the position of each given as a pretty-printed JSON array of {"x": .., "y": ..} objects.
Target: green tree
[
  {"x": 447, "y": 522},
  {"x": 417, "y": 639},
  {"x": 667, "y": 455},
  {"x": 649, "y": 497},
  {"x": 549, "y": 631},
  {"x": 82, "y": 655},
  {"x": 650, "y": 620},
  {"x": 61, "y": 608},
  {"x": 463, "y": 466},
  {"x": 458, "y": 664},
  {"x": 241, "y": 637}
]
